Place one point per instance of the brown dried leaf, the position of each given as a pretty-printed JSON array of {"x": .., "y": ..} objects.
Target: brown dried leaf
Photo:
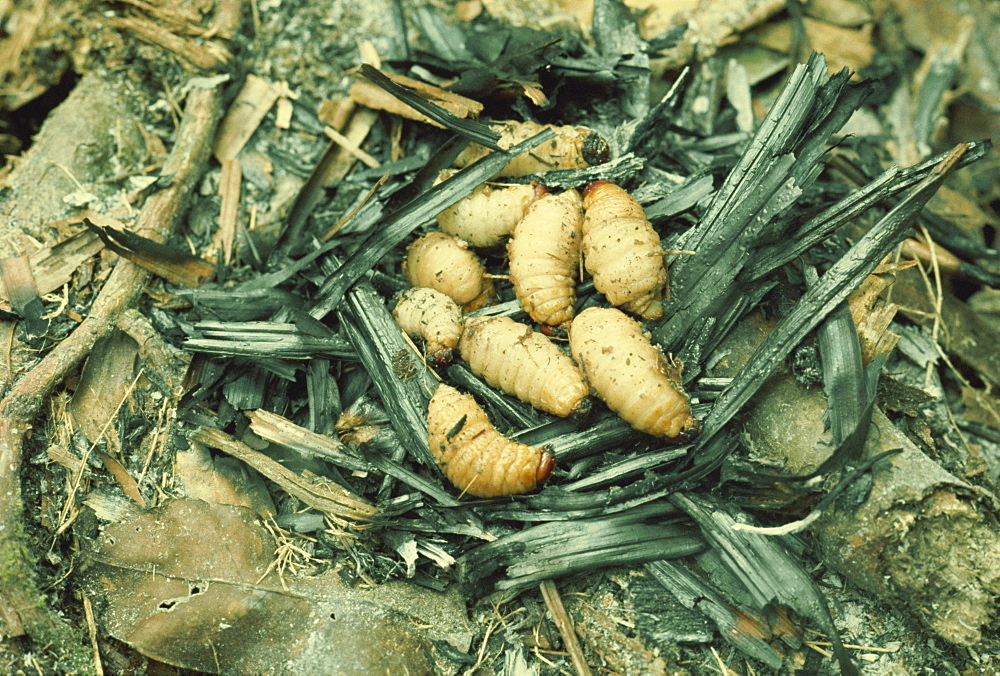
[
  {"x": 174, "y": 265},
  {"x": 843, "y": 47},
  {"x": 221, "y": 481},
  {"x": 191, "y": 584},
  {"x": 104, "y": 385},
  {"x": 963, "y": 212},
  {"x": 968, "y": 336},
  {"x": 847, "y": 13},
  {"x": 872, "y": 316}
]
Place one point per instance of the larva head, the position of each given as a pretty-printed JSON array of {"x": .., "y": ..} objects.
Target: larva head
[
  {"x": 582, "y": 410},
  {"x": 688, "y": 429},
  {"x": 441, "y": 357},
  {"x": 545, "y": 466},
  {"x": 549, "y": 330},
  {"x": 595, "y": 150},
  {"x": 594, "y": 188}
]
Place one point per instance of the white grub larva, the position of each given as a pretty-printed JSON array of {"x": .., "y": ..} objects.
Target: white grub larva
[
  {"x": 572, "y": 148},
  {"x": 523, "y": 363},
  {"x": 629, "y": 373},
  {"x": 486, "y": 217},
  {"x": 433, "y": 316},
  {"x": 446, "y": 264},
  {"x": 474, "y": 456},
  {"x": 544, "y": 254},
  {"x": 622, "y": 251}
]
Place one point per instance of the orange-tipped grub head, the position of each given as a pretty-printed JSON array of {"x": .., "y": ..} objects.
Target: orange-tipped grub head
[
  {"x": 594, "y": 186},
  {"x": 545, "y": 466}
]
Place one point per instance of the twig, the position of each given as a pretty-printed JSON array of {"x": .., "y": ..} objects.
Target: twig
[
  {"x": 22, "y": 607},
  {"x": 564, "y": 625},
  {"x": 88, "y": 612}
]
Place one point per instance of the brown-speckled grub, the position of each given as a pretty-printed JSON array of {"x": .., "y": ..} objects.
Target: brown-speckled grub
[
  {"x": 629, "y": 373},
  {"x": 474, "y": 456}
]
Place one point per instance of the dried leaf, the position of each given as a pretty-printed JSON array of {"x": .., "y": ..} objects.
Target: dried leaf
[
  {"x": 192, "y": 584},
  {"x": 105, "y": 383},
  {"x": 172, "y": 264},
  {"x": 843, "y": 47},
  {"x": 221, "y": 481}
]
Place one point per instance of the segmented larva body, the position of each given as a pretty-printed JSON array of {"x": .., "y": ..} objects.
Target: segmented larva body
[
  {"x": 572, "y": 148},
  {"x": 445, "y": 263},
  {"x": 474, "y": 456},
  {"x": 621, "y": 250},
  {"x": 486, "y": 216},
  {"x": 544, "y": 254},
  {"x": 433, "y": 316},
  {"x": 523, "y": 363},
  {"x": 629, "y": 373}
]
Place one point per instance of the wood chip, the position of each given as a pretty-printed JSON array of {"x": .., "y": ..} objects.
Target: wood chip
[
  {"x": 335, "y": 113},
  {"x": 342, "y": 161},
  {"x": 229, "y": 192},
  {"x": 125, "y": 481},
  {"x": 321, "y": 495},
  {"x": 351, "y": 148},
  {"x": 872, "y": 315},
  {"x": 371, "y": 95},
  {"x": 19, "y": 285},
  {"x": 243, "y": 117}
]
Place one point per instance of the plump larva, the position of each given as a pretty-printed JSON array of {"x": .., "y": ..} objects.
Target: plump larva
[
  {"x": 445, "y": 263},
  {"x": 544, "y": 254},
  {"x": 433, "y": 316},
  {"x": 629, "y": 373},
  {"x": 474, "y": 456},
  {"x": 487, "y": 216},
  {"x": 572, "y": 148},
  {"x": 622, "y": 251},
  {"x": 523, "y": 363}
]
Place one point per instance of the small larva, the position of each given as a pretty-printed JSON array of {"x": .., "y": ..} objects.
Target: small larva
[
  {"x": 629, "y": 373},
  {"x": 523, "y": 363},
  {"x": 622, "y": 251},
  {"x": 572, "y": 148},
  {"x": 445, "y": 263},
  {"x": 544, "y": 254},
  {"x": 486, "y": 217},
  {"x": 474, "y": 456},
  {"x": 433, "y": 316}
]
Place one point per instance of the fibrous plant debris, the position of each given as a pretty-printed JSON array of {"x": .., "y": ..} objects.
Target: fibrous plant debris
[{"x": 250, "y": 384}]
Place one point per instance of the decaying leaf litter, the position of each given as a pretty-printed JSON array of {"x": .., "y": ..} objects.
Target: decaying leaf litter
[{"x": 301, "y": 373}]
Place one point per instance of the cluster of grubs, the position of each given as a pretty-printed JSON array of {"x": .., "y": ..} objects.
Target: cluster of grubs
[{"x": 547, "y": 235}]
